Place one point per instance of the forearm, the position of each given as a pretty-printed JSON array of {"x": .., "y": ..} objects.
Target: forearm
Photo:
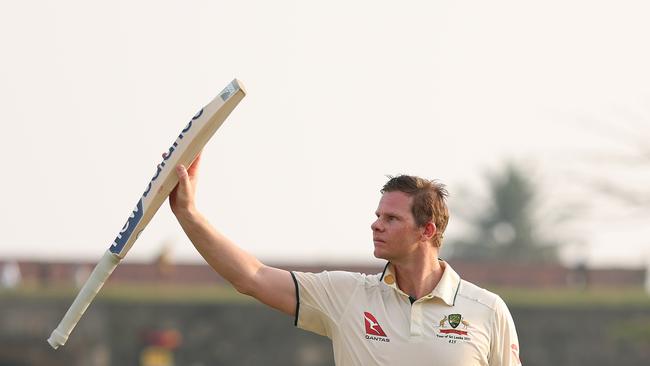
[
  {"x": 233, "y": 263},
  {"x": 272, "y": 286}
]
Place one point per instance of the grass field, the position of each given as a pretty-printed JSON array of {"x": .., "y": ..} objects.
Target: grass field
[
  {"x": 602, "y": 297},
  {"x": 166, "y": 293},
  {"x": 158, "y": 293}
]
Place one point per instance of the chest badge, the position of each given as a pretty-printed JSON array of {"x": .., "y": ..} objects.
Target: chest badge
[{"x": 453, "y": 328}]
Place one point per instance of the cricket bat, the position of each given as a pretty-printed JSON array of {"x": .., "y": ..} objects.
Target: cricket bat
[{"x": 184, "y": 150}]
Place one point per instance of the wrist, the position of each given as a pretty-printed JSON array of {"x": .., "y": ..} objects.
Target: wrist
[{"x": 186, "y": 214}]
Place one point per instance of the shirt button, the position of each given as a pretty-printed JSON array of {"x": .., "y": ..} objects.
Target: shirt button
[{"x": 389, "y": 279}]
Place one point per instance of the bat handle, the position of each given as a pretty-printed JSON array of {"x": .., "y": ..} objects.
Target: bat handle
[{"x": 100, "y": 274}]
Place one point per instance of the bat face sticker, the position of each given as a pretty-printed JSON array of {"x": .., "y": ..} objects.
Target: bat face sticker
[{"x": 127, "y": 230}]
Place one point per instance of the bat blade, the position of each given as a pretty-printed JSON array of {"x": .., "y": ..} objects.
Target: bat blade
[{"x": 184, "y": 150}]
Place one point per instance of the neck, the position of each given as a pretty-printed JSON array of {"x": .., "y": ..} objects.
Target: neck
[{"x": 418, "y": 276}]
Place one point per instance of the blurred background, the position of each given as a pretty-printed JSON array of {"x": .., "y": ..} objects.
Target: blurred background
[{"x": 535, "y": 115}]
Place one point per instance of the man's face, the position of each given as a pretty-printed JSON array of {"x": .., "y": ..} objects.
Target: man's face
[{"x": 395, "y": 233}]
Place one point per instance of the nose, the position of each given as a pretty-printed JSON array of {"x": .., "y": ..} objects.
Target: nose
[{"x": 376, "y": 225}]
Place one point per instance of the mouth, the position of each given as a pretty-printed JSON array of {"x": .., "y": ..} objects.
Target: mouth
[{"x": 378, "y": 241}]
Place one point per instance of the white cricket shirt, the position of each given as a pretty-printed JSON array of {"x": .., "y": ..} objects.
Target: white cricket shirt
[{"x": 372, "y": 322}]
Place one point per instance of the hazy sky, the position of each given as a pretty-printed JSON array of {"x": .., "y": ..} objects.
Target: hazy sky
[{"x": 340, "y": 93}]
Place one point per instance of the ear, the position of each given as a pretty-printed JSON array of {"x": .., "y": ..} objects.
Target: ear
[{"x": 430, "y": 231}]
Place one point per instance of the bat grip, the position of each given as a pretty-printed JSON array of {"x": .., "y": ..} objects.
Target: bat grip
[{"x": 100, "y": 274}]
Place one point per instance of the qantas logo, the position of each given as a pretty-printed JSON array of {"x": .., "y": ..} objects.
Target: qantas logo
[
  {"x": 373, "y": 329},
  {"x": 515, "y": 353}
]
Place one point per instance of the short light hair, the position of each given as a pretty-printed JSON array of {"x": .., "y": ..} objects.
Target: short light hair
[{"x": 429, "y": 201}]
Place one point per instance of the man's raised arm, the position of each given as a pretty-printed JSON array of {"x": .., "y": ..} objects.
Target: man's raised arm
[{"x": 271, "y": 286}]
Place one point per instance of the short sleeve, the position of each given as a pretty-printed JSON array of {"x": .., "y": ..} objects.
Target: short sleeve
[
  {"x": 322, "y": 298},
  {"x": 504, "y": 344}
]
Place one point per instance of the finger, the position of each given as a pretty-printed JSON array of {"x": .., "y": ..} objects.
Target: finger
[
  {"x": 194, "y": 167},
  {"x": 183, "y": 176}
]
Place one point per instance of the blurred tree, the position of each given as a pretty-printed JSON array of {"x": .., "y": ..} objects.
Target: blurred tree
[{"x": 509, "y": 228}]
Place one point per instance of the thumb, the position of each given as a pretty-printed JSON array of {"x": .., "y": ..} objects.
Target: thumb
[
  {"x": 183, "y": 176},
  {"x": 181, "y": 198}
]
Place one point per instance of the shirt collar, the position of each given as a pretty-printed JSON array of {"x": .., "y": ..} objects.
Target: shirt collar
[{"x": 446, "y": 290}]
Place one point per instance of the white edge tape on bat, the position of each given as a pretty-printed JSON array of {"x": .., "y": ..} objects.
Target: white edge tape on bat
[{"x": 100, "y": 274}]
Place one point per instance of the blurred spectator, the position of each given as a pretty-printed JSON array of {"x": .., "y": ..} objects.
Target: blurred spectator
[
  {"x": 10, "y": 276},
  {"x": 164, "y": 262},
  {"x": 159, "y": 347}
]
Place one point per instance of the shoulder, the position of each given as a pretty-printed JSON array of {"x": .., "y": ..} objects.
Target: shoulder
[
  {"x": 330, "y": 279},
  {"x": 472, "y": 293}
]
